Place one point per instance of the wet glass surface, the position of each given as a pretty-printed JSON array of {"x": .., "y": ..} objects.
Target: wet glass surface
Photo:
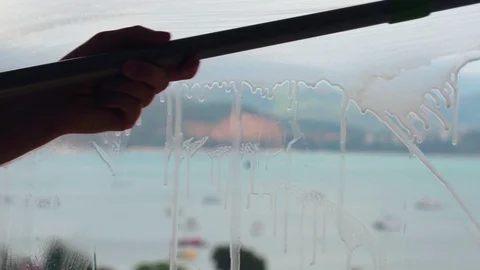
[{"x": 282, "y": 186}]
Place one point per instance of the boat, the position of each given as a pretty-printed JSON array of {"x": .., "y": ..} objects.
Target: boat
[
  {"x": 387, "y": 224},
  {"x": 192, "y": 242},
  {"x": 211, "y": 200},
  {"x": 428, "y": 204}
]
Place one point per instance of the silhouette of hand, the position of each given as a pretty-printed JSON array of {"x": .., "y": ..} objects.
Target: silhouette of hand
[
  {"x": 33, "y": 120},
  {"x": 116, "y": 104}
]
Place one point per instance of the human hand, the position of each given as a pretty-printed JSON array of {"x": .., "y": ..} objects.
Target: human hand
[
  {"x": 30, "y": 121},
  {"x": 116, "y": 104}
]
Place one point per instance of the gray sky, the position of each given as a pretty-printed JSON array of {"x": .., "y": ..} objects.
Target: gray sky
[{"x": 50, "y": 28}]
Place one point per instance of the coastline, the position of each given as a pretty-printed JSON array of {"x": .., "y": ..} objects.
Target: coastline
[
  {"x": 71, "y": 149},
  {"x": 150, "y": 149}
]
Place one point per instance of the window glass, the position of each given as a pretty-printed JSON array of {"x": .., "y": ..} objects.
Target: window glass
[{"x": 400, "y": 192}]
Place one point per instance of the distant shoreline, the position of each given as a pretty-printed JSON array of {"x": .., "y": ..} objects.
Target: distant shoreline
[
  {"x": 150, "y": 149},
  {"x": 61, "y": 149}
]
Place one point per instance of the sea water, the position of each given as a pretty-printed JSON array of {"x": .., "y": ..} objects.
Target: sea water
[{"x": 127, "y": 221}]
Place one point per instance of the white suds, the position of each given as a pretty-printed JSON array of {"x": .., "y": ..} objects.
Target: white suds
[
  {"x": 302, "y": 248},
  {"x": 343, "y": 143},
  {"x": 406, "y": 94},
  {"x": 355, "y": 233},
  {"x": 314, "y": 235},
  {"x": 275, "y": 211},
  {"x": 104, "y": 156},
  {"x": 176, "y": 179},
  {"x": 236, "y": 185},
  {"x": 168, "y": 136},
  {"x": 212, "y": 170},
  {"x": 190, "y": 149},
  {"x": 219, "y": 173},
  {"x": 285, "y": 222}
]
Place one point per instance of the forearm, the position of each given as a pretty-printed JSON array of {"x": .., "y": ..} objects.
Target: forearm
[{"x": 19, "y": 140}]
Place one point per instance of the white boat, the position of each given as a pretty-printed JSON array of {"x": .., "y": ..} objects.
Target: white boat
[
  {"x": 428, "y": 204},
  {"x": 211, "y": 200},
  {"x": 388, "y": 224}
]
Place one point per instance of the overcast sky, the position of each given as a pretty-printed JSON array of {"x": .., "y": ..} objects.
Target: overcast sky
[{"x": 45, "y": 30}]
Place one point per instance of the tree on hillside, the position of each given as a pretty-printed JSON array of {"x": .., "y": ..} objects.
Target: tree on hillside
[
  {"x": 59, "y": 257},
  {"x": 248, "y": 259},
  {"x": 155, "y": 266}
]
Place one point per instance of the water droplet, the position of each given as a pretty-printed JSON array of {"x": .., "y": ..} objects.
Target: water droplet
[
  {"x": 228, "y": 89},
  {"x": 162, "y": 98},
  {"x": 270, "y": 95},
  {"x": 128, "y": 132},
  {"x": 118, "y": 134},
  {"x": 201, "y": 98},
  {"x": 264, "y": 93},
  {"x": 139, "y": 122},
  {"x": 453, "y": 77},
  {"x": 426, "y": 125},
  {"x": 189, "y": 95}
]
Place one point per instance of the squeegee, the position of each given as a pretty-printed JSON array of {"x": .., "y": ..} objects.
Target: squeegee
[{"x": 73, "y": 71}]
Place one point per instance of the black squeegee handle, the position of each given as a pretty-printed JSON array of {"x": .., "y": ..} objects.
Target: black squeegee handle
[{"x": 174, "y": 53}]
